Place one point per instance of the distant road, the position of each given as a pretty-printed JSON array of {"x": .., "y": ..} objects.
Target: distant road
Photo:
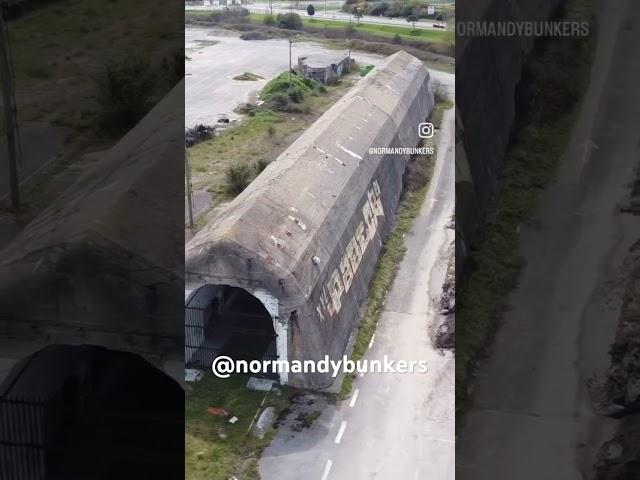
[{"x": 338, "y": 16}]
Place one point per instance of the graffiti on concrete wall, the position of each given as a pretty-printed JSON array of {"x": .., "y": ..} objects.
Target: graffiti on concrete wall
[{"x": 341, "y": 278}]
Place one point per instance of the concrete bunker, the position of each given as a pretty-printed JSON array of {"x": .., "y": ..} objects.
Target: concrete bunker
[
  {"x": 100, "y": 265},
  {"x": 305, "y": 236}
]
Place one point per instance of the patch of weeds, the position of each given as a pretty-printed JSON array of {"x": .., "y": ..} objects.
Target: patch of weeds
[
  {"x": 260, "y": 165},
  {"x": 238, "y": 178},
  {"x": 125, "y": 94},
  {"x": 248, "y": 77}
]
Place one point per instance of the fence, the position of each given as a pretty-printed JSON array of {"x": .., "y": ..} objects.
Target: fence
[{"x": 26, "y": 427}]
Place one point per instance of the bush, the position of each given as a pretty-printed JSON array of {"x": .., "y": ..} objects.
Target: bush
[
  {"x": 280, "y": 84},
  {"x": 238, "y": 178},
  {"x": 395, "y": 10},
  {"x": 397, "y": 39},
  {"x": 280, "y": 101},
  {"x": 311, "y": 10},
  {"x": 269, "y": 19},
  {"x": 261, "y": 165},
  {"x": 290, "y": 21},
  {"x": 124, "y": 93},
  {"x": 379, "y": 9},
  {"x": 295, "y": 95}
]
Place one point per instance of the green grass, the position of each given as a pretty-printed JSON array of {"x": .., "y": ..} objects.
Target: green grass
[
  {"x": 214, "y": 448},
  {"x": 555, "y": 80},
  {"x": 387, "y": 31},
  {"x": 303, "y": 86},
  {"x": 241, "y": 143}
]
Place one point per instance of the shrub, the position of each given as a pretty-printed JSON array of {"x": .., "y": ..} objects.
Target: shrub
[
  {"x": 395, "y": 10},
  {"x": 280, "y": 101},
  {"x": 397, "y": 39},
  {"x": 379, "y": 9},
  {"x": 238, "y": 177},
  {"x": 261, "y": 165},
  {"x": 269, "y": 19},
  {"x": 124, "y": 93},
  {"x": 295, "y": 95},
  {"x": 290, "y": 21},
  {"x": 311, "y": 10}
]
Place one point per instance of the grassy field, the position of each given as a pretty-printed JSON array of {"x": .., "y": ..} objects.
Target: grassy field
[
  {"x": 214, "y": 448},
  {"x": 387, "y": 31},
  {"x": 58, "y": 83},
  {"x": 61, "y": 51},
  {"x": 556, "y": 78}
]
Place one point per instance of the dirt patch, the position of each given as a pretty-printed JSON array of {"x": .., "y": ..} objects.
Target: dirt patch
[{"x": 303, "y": 410}]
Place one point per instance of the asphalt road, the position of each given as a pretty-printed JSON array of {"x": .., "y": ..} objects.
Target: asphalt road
[
  {"x": 394, "y": 426},
  {"x": 533, "y": 417}
]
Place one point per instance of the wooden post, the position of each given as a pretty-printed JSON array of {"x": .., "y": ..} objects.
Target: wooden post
[
  {"x": 187, "y": 173},
  {"x": 6, "y": 77}
]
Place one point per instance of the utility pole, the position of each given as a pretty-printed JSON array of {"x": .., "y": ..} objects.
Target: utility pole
[
  {"x": 290, "y": 66},
  {"x": 6, "y": 77},
  {"x": 187, "y": 174}
]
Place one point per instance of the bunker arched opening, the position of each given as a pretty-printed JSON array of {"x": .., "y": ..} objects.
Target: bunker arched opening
[{"x": 231, "y": 321}]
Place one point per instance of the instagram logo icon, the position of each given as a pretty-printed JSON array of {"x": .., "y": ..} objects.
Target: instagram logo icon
[{"x": 426, "y": 130}]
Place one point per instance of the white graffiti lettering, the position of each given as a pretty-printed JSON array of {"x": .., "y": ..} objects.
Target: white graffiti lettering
[{"x": 341, "y": 278}]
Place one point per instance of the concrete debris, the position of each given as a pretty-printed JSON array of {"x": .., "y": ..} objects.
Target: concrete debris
[
  {"x": 260, "y": 384},
  {"x": 192, "y": 375},
  {"x": 264, "y": 422}
]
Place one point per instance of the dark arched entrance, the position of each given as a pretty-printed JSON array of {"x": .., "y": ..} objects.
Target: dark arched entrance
[{"x": 230, "y": 321}]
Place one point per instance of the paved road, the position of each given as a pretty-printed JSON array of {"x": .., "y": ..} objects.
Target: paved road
[
  {"x": 395, "y": 426},
  {"x": 341, "y": 16},
  {"x": 533, "y": 418}
]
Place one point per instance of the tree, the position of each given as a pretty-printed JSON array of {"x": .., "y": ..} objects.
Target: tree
[
  {"x": 311, "y": 10},
  {"x": 413, "y": 19}
]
